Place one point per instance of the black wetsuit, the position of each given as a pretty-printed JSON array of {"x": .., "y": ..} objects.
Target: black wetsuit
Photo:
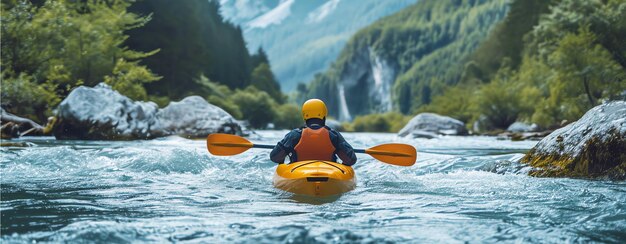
[{"x": 286, "y": 147}]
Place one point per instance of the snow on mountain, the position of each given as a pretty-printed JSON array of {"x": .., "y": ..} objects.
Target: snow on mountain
[
  {"x": 243, "y": 10},
  {"x": 320, "y": 13},
  {"x": 274, "y": 16}
]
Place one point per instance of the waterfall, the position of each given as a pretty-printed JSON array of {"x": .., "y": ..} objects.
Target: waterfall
[
  {"x": 344, "y": 113},
  {"x": 383, "y": 76}
]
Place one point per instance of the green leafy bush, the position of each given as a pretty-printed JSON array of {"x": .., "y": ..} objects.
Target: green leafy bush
[
  {"x": 228, "y": 105},
  {"x": 387, "y": 122},
  {"x": 21, "y": 95},
  {"x": 60, "y": 45},
  {"x": 288, "y": 116},
  {"x": 128, "y": 78},
  {"x": 257, "y": 107}
]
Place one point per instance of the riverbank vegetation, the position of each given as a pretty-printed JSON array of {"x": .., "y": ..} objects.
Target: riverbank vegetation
[
  {"x": 385, "y": 122},
  {"x": 50, "y": 48}
]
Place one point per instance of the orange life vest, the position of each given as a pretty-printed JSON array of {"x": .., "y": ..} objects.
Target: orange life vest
[{"x": 315, "y": 145}]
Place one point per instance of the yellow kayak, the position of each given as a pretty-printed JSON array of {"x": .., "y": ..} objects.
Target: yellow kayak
[{"x": 315, "y": 178}]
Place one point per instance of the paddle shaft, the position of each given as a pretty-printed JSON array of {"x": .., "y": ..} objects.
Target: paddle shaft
[{"x": 263, "y": 146}]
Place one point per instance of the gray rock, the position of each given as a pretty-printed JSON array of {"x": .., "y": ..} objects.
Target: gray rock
[
  {"x": 522, "y": 127},
  {"x": 100, "y": 113},
  {"x": 593, "y": 146},
  {"x": 429, "y": 125},
  {"x": 194, "y": 117}
]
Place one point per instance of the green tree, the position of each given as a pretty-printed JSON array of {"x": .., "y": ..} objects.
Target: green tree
[
  {"x": 498, "y": 102},
  {"x": 263, "y": 79},
  {"x": 288, "y": 116},
  {"x": 128, "y": 78},
  {"x": 65, "y": 43},
  {"x": 22, "y": 95},
  {"x": 455, "y": 102},
  {"x": 606, "y": 19},
  {"x": 194, "y": 40},
  {"x": 506, "y": 40},
  {"x": 259, "y": 57},
  {"x": 257, "y": 107},
  {"x": 587, "y": 68},
  {"x": 218, "y": 95}
]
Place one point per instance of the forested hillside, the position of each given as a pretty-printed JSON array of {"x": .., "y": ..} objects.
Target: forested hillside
[
  {"x": 401, "y": 61},
  {"x": 547, "y": 63}
]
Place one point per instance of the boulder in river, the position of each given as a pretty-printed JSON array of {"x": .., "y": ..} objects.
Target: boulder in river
[
  {"x": 101, "y": 113},
  {"x": 429, "y": 125},
  {"x": 520, "y": 127},
  {"x": 194, "y": 117},
  {"x": 594, "y": 146}
]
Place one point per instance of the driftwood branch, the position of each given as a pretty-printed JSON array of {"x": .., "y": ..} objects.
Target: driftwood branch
[
  {"x": 13, "y": 124},
  {"x": 7, "y": 117}
]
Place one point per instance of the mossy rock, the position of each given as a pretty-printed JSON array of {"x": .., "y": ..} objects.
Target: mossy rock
[
  {"x": 599, "y": 159},
  {"x": 593, "y": 147}
]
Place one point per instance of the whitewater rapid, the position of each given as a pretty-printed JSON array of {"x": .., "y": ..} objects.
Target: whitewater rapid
[{"x": 170, "y": 189}]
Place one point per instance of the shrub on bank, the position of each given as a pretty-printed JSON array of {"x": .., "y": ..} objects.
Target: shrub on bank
[{"x": 387, "y": 122}]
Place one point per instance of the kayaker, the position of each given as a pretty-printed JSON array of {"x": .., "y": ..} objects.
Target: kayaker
[{"x": 315, "y": 141}]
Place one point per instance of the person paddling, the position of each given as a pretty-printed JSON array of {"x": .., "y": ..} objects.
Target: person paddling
[{"x": 315, "y": 141}]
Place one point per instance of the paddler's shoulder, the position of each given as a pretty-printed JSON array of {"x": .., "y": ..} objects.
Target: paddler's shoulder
[
  {"x": 331, "y": 131},
  {"x": 335, "y": 136}
]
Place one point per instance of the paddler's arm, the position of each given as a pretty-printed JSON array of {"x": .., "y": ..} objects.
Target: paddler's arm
[
  {"x": 285, "y": 147},
  {"x": 342, "y": 148}
]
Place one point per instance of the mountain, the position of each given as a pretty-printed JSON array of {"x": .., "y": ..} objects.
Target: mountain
[
  {"x": 303, "y": 37},
  {"x": 401, "y": 61}
]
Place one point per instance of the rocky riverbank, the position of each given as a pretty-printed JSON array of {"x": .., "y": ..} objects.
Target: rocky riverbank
[
  {"x": 101, "y": 113},
  {"x": 592, "y": 147}
]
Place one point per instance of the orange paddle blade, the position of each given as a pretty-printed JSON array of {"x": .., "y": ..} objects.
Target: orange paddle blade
[
  {"x": 227, "y": 144},
  {"x": 394, "y": 153}
]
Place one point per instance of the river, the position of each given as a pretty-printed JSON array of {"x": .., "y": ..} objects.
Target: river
[{"x": 462, "y": 189}]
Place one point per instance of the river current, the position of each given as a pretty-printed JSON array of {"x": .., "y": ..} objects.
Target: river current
[{"x": 462, "y": 189}]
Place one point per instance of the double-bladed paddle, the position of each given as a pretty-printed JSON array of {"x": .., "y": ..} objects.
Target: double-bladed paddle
[{"x": 391, "y": 153}]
